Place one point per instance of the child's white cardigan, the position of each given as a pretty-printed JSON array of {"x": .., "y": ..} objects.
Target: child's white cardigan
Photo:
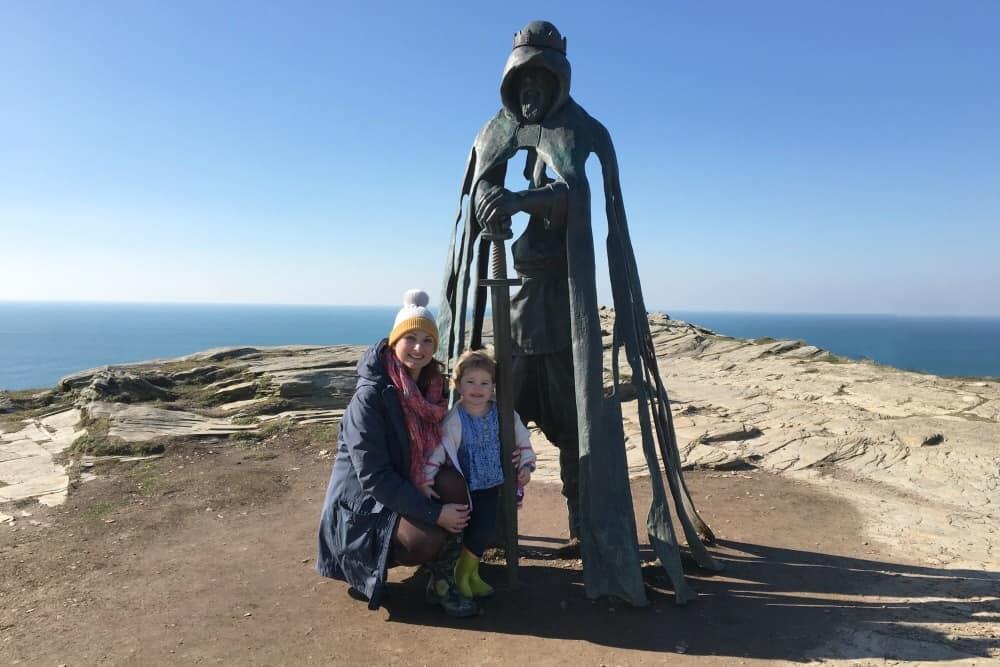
[{"x": 451, "y": 440}]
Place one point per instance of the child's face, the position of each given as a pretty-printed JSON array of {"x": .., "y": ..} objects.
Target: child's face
[{"x": 476, "y": 389}]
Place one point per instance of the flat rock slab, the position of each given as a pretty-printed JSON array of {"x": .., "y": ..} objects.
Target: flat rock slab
[
  {"x": 139, "y": 423},
  {"x": 27, "y": 469}
]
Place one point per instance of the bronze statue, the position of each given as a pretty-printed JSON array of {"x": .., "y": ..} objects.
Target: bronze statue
[{"x": 556, "y": 335}]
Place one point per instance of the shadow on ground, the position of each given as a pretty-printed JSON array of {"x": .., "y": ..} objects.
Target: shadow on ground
[{"x": 769, "y": 603}]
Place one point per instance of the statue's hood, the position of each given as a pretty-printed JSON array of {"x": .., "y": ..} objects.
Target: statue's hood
[{"x": 534, "y": 56}]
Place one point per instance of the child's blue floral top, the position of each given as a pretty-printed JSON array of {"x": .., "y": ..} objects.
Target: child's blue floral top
[{"x": 479, "y": 454}]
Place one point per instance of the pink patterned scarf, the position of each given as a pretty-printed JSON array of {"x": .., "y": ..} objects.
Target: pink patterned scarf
[{"x": 423, "y": 413}]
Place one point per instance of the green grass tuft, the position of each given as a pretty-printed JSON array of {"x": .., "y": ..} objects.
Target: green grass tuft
[
  {"x": 98, "y": 510},
  {"x": 105, "y": 445},
  {"x": 830, "y": 358}
]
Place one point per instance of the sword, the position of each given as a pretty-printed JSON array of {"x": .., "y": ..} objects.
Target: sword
[{"x": 500, "y": 285}]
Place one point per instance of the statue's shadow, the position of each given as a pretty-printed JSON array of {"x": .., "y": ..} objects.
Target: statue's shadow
[{"x": 769, "y": 603}]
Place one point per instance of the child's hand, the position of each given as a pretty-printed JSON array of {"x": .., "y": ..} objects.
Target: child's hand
[
  {"x": 428, "y": 490},
  {"x": 524, "y": 475}
]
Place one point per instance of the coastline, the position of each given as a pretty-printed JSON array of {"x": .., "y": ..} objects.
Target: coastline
[
  {"x": 842, "y": 468},
  {"x": 40, "y": 343}
]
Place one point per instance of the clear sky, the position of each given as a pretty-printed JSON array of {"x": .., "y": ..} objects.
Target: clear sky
[{"x": 775, "y": 156}]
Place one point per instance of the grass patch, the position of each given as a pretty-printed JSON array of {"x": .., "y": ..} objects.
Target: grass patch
[
  {"x": 269, "y": 429},
  {"x": 21, "y": 395},
  {"x": 98, "y": 510},
  {"x": 30, "y": 404},
  {"x": 94, "y": 425},
  {"x": 172, "y": 367},
  {"x": 260, "y": 455},
  {"x": 830, "y": 358},
  {"x": 10, "y": 425},
  {"x": 274, "y": 427},
  {"x": 244, "y": 420},
  {"x": 105, "y": 445},
  {"x": 319, "y": 432},
  {"x": 245, "y": 439},
  {"x": 269, "y": 406},
  {"x": 146, "y": 477}
]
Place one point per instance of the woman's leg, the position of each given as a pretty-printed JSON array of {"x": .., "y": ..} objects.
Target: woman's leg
[
  {"x": 417, "y": 543},
  {"x": 450, "y": 487}
]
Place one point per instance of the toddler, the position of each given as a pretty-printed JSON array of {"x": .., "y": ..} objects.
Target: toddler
[{"x": 471, "y": 439}]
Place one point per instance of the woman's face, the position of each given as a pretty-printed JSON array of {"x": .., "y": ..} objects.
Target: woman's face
[{"x": 415, "y": 349}]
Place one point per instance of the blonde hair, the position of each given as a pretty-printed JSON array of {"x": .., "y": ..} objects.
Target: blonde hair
[{"x": 474, "y": 360}]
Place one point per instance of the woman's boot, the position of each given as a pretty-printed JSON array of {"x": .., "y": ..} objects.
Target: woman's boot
[{"x": 442, "y": 588}]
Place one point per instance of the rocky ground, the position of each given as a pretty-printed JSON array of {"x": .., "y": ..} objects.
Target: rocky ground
[{"x": 165, "y": 512}]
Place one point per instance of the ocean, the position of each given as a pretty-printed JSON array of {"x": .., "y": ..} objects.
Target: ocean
[{"x": 40, "y": 342}]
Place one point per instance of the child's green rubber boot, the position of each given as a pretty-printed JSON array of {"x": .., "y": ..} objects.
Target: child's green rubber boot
[{"x": 467, "y": 577}]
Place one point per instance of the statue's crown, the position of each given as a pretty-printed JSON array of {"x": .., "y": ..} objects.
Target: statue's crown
[{"x": 541, "y": 34}]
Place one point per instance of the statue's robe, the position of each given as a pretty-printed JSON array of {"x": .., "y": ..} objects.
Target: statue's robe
[{"x": 563, "y": 141}]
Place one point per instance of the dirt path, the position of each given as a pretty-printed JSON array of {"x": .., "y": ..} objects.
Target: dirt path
[{"x": 206, "y": 556}]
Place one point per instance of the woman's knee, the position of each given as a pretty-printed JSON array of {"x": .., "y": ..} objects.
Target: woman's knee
[
  {"x": 450, "y": 487},
  {"x": 414, "y": 545}
]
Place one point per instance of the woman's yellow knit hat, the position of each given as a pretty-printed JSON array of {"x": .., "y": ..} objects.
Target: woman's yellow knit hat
[{"x": 414, "y": 315}]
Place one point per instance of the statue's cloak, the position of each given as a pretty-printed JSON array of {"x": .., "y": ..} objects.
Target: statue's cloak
[{"x": 563, "y": 141}]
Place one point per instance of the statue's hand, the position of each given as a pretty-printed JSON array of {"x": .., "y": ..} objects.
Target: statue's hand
[{"x": 494, "y": 208}]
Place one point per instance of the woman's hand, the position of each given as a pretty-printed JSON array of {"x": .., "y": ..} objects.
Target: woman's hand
[
  {"x": 454, "y": 518},
  {"x": 524, "y": 475}
]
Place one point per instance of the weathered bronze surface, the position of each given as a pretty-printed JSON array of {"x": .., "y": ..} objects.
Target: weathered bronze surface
[{"x": 555, "y": 330}]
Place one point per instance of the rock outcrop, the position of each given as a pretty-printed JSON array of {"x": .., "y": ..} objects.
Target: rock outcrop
[{"x": 906, "y": 445}]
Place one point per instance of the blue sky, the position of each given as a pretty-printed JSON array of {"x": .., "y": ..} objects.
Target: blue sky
[{"x": 775, "y": 156}]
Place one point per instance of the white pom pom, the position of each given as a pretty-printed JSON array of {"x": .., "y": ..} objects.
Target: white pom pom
[{"x": 416, "y": 297}]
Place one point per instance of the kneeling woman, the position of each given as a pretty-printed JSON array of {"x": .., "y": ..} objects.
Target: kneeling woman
[{"x": 374, "y": 515}]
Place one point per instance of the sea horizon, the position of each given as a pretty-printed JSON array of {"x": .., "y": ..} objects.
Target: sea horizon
[
  {"x": 43, "y": 341},
  {"x": 433, "y": 307}
]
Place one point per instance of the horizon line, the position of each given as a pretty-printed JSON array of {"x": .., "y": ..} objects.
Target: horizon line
[{"x": 665, "y": 311}]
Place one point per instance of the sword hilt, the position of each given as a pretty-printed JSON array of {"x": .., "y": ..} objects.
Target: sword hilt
[
  {"x": 500, "y": 232},
  {"x": 498, "y": 259}
]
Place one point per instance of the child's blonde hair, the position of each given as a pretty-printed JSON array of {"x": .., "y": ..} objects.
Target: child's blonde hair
[{"x": 474, "y": 360}]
